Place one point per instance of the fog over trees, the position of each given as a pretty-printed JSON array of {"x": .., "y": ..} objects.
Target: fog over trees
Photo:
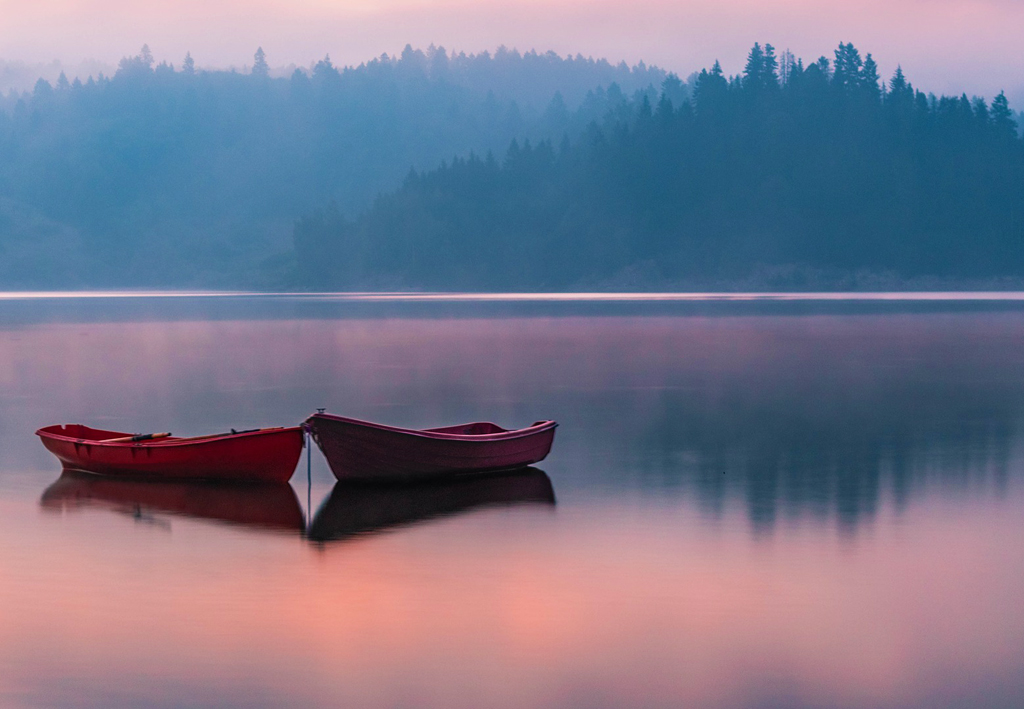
[
  {"x": 507, "y": 171},
  {"x": 19, "y": 76},
  {"x": 163, "y": 175}
]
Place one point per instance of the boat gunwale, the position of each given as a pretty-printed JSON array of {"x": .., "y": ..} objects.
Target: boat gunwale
[
  {"x": 161, "y": 443},
  {"x": 505, "y": 435}
]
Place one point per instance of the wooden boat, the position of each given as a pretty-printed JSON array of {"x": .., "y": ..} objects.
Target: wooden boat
[
  {"x": 266, "y": 506},
  {"x": 356, "y": 508},
  {"x": 362, "y": 450},
  {"x": 267, "y": 455}
]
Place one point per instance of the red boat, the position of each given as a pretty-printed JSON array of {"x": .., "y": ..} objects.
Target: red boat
[
  {"x": 361, "y": 450},
  {"x": 268, "y": 455}
]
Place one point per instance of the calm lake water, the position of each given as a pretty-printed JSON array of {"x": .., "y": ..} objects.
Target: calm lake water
[{"x": 749, "y": 504}]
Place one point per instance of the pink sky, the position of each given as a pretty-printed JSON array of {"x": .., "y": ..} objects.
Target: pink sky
[{"x": 944, "y": 45}]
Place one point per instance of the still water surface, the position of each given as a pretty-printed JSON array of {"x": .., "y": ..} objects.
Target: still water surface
[{"x": 747, "y": 505}]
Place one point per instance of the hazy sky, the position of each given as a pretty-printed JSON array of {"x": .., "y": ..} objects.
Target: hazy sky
[{"x": 944, "y": 45}]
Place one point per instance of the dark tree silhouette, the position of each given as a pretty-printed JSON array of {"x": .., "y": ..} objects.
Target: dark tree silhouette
[
  {"x": 823, "y": 180},
  {"x": 1002, "y": 117}
]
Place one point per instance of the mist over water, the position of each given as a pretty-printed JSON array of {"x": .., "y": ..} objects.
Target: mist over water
[{"x": 783, "y": 504}]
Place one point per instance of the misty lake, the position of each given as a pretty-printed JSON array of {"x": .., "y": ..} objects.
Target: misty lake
[{"x": 749, "y": 503}]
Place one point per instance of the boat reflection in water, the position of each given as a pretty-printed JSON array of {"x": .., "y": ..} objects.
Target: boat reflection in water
[
  {"x": 270, "y": 506},
  {"x": 357, "y": 507}
]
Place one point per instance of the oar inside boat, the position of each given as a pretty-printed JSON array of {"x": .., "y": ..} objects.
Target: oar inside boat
[
  {"x": 136, "y": 439},
  {"x": 157, "y": 436}
]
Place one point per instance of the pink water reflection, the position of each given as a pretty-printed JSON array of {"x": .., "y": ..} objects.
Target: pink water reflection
[
  {"x": 752, "y": 511},
  {"x": 617, "y": 605}
]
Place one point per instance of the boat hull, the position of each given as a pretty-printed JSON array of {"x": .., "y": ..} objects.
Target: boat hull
[
  {"x": 268, "y": 456},
  {"x": 359, "y": 450}
]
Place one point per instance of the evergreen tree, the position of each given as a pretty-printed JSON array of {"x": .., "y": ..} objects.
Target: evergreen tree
[
  {"x": 437, "y": 62},
  {"x": 324, "y": 70},
  {"x": 825, "y": 68},
  {"x": 557, "y": 113},
  {"x": 754, "y": 71},
  {"x": 848, "y": 65},
  {"x": 898, "y": 83},
  {"x": 645, "y": 112},
  {"x": 674, "y": 90},
  {"x": 710, "y": 88},
  {"x": 981, "y": 111},
  {"x": 259, "y": 67},
  {"x": 188, "y": 65},
  {"x": 139, "y": 65},
  {"x": 664, "y": 110},
  {"x": 770, "y": 78},
  {"x": 42, "y": 90},
  {"x": 1002, "y": 117},
  {"x": 869, "y": 77}
]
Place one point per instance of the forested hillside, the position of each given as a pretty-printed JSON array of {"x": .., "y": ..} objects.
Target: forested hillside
[
  {"x": 170, "y": 176},
  {"x": 789, "y": 176}
]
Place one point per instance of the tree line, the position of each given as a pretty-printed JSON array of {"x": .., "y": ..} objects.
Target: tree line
[
  {"x": 203, "y": 173},
  {"x": 790, "y": 174}
]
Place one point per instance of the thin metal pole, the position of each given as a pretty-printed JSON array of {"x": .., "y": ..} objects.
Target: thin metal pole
[{"x": 309, "y": 479}]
